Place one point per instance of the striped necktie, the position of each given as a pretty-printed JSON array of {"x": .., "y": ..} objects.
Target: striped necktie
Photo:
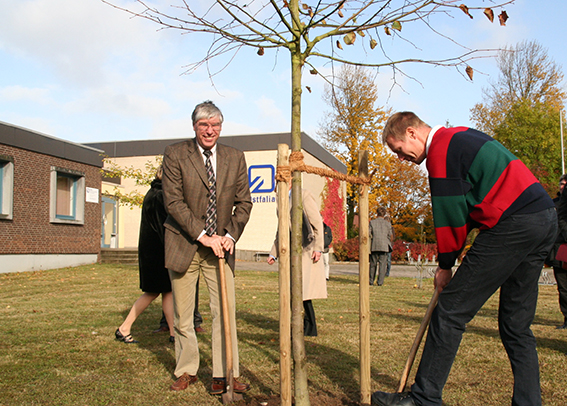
[{"x": 211, "y": 222}]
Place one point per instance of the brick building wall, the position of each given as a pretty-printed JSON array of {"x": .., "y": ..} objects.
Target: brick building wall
[{"x": 30, "y": 230}]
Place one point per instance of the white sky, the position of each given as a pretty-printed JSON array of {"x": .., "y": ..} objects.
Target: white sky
[{"x": 83, "y": 71}]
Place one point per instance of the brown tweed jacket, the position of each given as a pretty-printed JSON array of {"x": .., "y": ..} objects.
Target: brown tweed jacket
[{"x": 186, "y": 196}]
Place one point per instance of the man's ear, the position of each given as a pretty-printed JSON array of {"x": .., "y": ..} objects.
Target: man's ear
[{"x": 411, "y": 132}]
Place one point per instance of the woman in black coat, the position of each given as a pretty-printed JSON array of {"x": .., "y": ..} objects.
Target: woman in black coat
[{"x": 154, "y": 277}]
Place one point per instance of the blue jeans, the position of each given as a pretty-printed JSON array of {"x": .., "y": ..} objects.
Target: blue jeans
[{"x": 508, "y": 256}]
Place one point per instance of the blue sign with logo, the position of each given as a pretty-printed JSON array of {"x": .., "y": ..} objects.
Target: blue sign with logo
[{"x": 261, "y": 178}]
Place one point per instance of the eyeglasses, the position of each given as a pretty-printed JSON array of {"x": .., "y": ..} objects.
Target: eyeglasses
[{"x": 206, "y": 126}]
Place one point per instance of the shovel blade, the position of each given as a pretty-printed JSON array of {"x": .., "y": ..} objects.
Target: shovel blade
[{"x": 230, "y": 397}]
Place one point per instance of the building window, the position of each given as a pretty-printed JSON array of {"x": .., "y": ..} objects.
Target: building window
[
  {"x": 67, "y": 196},
  {"x": 6, "y": 187}
]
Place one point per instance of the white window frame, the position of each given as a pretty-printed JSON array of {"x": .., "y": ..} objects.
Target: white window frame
[
  {"x": 6, "y": 188},
  {"x": 77, "y": 201}
]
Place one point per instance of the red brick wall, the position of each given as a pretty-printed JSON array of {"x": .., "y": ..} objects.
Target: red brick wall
[{"x": 30, "y": 232}]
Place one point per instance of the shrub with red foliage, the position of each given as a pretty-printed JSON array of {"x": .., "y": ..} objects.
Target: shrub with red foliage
[
  {"x": 427, "y": 251},
  {"x": 333, "y": 211},
  {"x": 347, "y": 251}
]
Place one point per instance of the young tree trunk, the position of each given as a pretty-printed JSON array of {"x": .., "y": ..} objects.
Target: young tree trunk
[{"x": 298, "y": 342}]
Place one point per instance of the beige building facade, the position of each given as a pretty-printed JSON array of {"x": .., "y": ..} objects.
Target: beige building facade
[{"x": 120, "y": 224}]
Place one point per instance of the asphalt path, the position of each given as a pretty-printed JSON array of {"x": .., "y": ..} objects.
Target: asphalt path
[
  {"x": 397, "y": 270},
  {"x": 338, "y": 268}
]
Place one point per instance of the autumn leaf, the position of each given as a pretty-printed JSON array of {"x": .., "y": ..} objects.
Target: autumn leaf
[
  {"x": 465, "y": 10},
  {"x": 387, "y": 31},
  {"x": 361, "y": 33},
  {"x": 470, "y": 72},
  {"x": 285, "y": 3},
  {"x": 311, "y": 12},
  {"x": 503, "y": 17},
  {"x": 305, "y": 6},
  {"x": 313, "y": 71},
  {"x": 373, "y": 43},
  {"x": 341, "y": 14},
  {"x": 396, "y": 25},
  {"x": 261, "y": 51},
  {"x": 339, "y": 44},
  {"x": 489, "y": 13},
  {"x": 350, "y": 38},
  {"x": 308, "y": 89}
]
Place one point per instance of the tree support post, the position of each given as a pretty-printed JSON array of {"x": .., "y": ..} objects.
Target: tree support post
[
  {"x": 364, "y": 276},
  {"x": 284, "y": 281}
]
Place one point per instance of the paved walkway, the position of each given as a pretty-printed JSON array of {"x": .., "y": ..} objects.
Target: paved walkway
[
  {"x": 337, "y": 268},
  {"x": 398, "y": 270}
]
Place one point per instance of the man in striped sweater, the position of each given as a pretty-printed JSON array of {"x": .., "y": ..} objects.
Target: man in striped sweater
[{"x": 477, "y": 183}]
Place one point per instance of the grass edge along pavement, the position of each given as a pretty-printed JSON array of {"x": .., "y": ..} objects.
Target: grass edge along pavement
[{"x": 58, "y": 345}]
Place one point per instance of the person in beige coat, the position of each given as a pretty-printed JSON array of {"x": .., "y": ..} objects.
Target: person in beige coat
[{"x": 314, "y": 280}]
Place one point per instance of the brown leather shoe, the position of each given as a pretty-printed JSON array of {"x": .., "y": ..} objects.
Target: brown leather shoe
[
  {"x": 183, "y": 382},
  {"x": 199, "y": 329},
  {"x": 162, "y": 329},
  {"x": 218, "y": 386}
]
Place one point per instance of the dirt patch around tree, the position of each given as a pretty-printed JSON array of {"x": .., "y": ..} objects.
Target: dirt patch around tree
[{"x": 316, "y": 399}]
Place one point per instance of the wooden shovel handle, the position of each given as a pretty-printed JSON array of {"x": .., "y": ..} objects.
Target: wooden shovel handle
[
  {"x": 417, "y": 341},
  {"x": 226, "y": 324}
]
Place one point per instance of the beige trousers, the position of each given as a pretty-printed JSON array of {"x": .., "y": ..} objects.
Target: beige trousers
[{"x": 183, "y": 287}]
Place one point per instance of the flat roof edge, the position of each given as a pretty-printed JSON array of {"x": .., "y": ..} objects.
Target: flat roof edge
[
  {"x": 252, "y": 142},
  {"x": 35, "y": 141}
]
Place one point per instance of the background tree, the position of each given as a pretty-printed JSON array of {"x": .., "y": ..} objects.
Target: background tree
[
  {"x": 353, "y": 124},
  {"x": 403, "y": 189},
  {"x": 307, "y": 31},
  {"x": 141, "y": 177},
  {"x": 521, "y": 109}
]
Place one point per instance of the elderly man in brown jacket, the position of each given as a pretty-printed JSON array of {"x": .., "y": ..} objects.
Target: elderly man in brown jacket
[{"x": 208, "y": 200}]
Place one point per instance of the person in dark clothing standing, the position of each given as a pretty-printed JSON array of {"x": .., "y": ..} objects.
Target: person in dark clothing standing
[
  {"x": 559, "y": 271},
  {"x": 477, "y": 183},
  {"x": 327, "y": 240},
  {"x": 154, "y": 277}
]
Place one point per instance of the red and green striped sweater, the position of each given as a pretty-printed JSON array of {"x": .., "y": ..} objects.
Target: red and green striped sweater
[{"x": 475, "y": 182}]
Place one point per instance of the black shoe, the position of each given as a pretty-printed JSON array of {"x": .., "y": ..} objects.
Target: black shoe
[
  {"x": 392, "y": 399},
  {"x": 172, "y": 339},
  {"x": 562, "y": 327},
  {"x": 126, "y": 339}
]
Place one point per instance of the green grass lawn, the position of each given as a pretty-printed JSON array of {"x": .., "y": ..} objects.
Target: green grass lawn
[{"x": 58, "y": 345}]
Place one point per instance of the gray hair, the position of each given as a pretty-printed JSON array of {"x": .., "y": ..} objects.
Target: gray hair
[{"x": 206, "y": 110}]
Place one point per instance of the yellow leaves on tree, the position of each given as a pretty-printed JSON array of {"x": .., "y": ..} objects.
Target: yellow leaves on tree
[{"x": 355, "y": 123}]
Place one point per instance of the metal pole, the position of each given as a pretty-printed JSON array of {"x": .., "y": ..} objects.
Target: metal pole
[{"x": 562, "y": 151}]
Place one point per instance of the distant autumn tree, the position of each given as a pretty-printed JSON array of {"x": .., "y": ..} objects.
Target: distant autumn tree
[
  {"x": 521, "y": 109},
  {"x": 403, "y": 189},
  {"x": 353, "y": 124}
]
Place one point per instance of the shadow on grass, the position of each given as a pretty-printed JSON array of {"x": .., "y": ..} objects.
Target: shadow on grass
[
  {"x": 344, "y": 279},
  {"x": 542, "y": 342},
  {"x": 339, "y": 367}
]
